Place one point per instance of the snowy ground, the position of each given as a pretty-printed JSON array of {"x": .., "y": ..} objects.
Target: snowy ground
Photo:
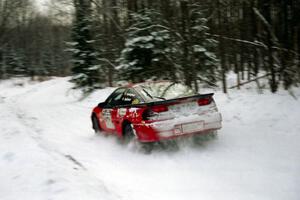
[{"x": 48, "y": 150}]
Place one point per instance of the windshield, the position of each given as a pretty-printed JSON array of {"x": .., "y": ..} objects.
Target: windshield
[{"x": 164, "y": 90}]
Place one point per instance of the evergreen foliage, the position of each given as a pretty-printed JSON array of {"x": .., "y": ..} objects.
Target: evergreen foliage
[
  {"x": 191, "y": 41},
  {"x": 149, "y": 49},
  {"x": 86, "y": 72},
  {"x": 14, "y": 63},
  {"x": 203, "y": 48}
]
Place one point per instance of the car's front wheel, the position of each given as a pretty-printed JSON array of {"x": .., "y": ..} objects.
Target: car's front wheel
[{"x": 96, "y": 125}]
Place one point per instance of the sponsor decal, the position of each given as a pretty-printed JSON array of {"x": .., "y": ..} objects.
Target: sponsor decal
[
  {"x": 122, "y": 112},
  {"x": 106, "y": 114},
  {"x": 127, "y": 99}
]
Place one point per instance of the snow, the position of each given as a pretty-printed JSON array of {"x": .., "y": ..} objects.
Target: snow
[
  {"x": 49, "y": 151},
  {"x": 141, "y": 39},
  {"x": 198, "y": 48}
]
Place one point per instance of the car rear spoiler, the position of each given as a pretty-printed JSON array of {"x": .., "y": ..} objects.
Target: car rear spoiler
[{"x": 169, "y": 101}]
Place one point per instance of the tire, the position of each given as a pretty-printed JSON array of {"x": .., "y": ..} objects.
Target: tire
[
  {"x": 128, "y": 133},
  {"x": 146, "y": 148},
  {"x": 199, "y": 139},
  {"x": 96, "y": 125},
  {"x": 128, "y": 137}
]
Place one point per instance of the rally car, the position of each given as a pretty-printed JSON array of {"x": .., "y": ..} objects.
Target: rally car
[{"x": 155, "y": 111}]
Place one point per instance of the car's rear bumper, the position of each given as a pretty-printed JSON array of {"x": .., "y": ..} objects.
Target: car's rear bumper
[{"x": 178, "y": 127}]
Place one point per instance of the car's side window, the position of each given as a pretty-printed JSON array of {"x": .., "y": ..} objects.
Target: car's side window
[
  {"x": 116, "y": 98},
  {"x": 131, "y": 97}
]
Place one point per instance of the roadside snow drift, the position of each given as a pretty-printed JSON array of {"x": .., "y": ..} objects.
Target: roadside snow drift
[{"x": 48, "y": 150}]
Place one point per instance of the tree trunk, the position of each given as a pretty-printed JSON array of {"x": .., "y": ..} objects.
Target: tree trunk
[
  {"x": 221, "y": 49},
  {"x": 185, "y": 65},
  {"x": 254, "y": 37},
  {"x": 270, "y": 44}
]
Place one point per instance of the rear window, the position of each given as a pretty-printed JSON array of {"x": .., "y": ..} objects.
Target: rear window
[{"x": 164, "y": 90}]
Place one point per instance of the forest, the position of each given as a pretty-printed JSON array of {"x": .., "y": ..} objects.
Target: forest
[{"x": 99, "y": 43}]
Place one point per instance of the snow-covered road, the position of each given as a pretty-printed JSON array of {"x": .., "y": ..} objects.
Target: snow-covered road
[
  {"x": 49, "y": 151},
  {"x": 32, "y": 168}
]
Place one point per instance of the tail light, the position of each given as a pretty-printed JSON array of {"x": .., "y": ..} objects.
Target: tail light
[
  {"x": 152, "y": 113},
  {"x": 159, "y": 108},
  {"x": 205, "y": 101}
]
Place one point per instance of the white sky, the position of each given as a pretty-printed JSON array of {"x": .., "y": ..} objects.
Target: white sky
[{"x": 41, "y": 4}]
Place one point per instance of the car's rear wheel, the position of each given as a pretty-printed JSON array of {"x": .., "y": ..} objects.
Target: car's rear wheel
[
  {"x": 200, "y": 138},
  {"x": 96, "y": 125},
  {"x": 129, "y": 135}
]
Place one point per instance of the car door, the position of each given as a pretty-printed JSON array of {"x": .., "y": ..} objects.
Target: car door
[
  {"x": 120, "y": 112},
  {"x": 108, "y": 112}
]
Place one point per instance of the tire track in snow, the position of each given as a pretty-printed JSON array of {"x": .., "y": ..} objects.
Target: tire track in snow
[
  {"x": 2, "y": 99},
  {"x": 36, "y": 134},
  {"x": 24, "y": 156}
]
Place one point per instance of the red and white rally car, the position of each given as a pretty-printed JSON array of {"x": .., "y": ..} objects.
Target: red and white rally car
[{"x": 155, "y": 111}]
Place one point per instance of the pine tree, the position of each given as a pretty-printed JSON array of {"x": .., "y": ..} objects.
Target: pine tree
[
  {"x": 2, "y": 68},
  {"x": 203, "y": 48},
  {"x": 199, "y": 61},
  {"x": 86, "y": 72},
  {"x": 149, "y": 48},
  {"x": 47, "y": 63},
  {"x": 14, "y": 62}
]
